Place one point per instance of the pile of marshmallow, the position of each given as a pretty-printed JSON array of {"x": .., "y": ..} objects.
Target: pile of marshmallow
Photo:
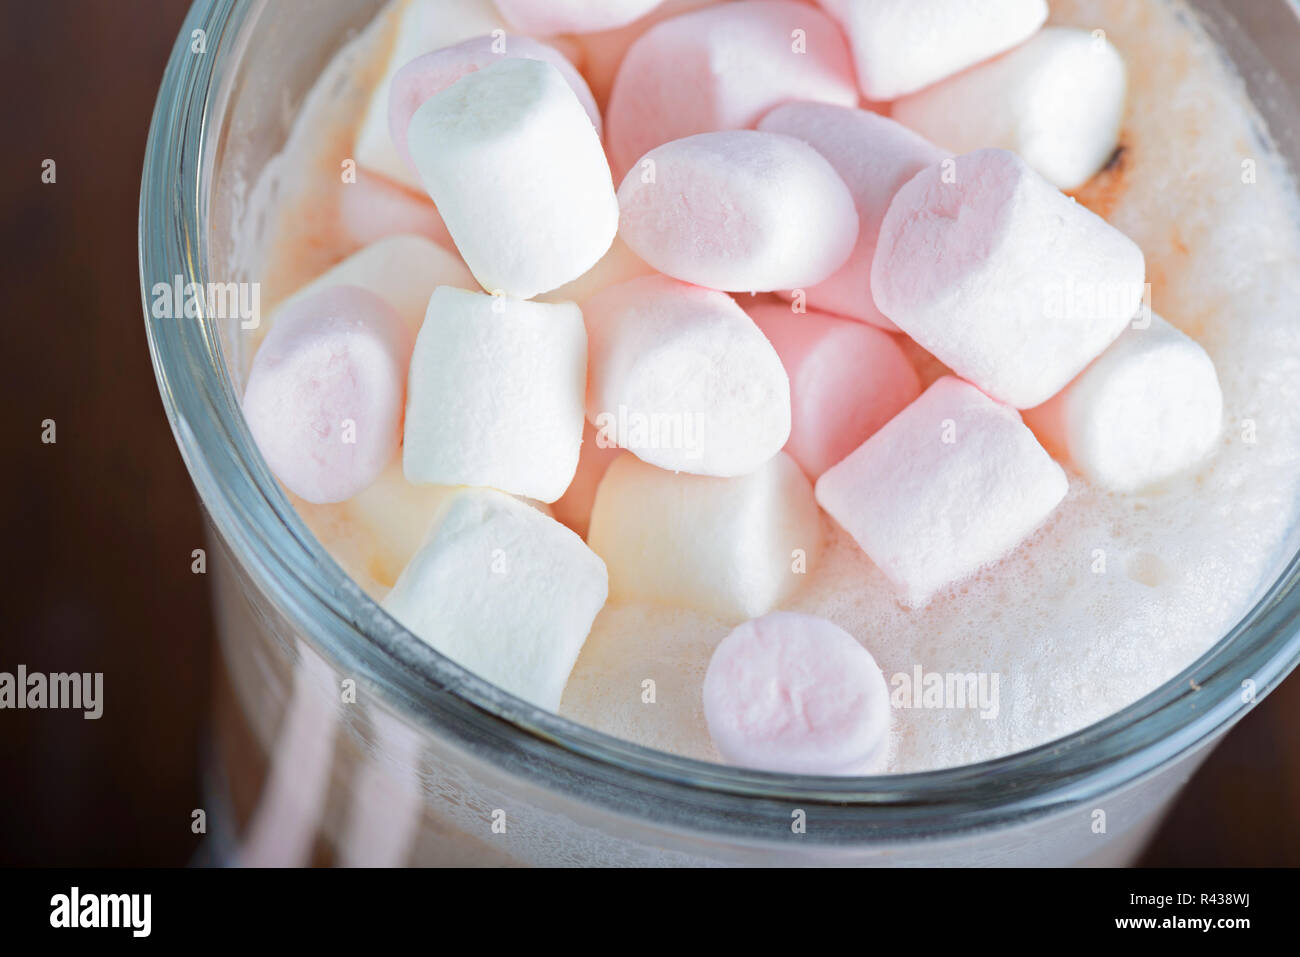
[{"x": 588, "y": 354}]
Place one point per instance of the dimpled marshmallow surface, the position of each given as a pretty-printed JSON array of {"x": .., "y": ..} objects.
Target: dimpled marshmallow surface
[
  {"x": 426, "y": 75},
  {"x": 1147, "y": 408},
  {"x": 416, "y": 27},
  {"x": 545, "y": 17},
  {"x": 874, "y": 156},
  {"x": 1006, "y": 280},
  {"x": 796, "y": 693},
  {"x": 729, "y": 547},
  {"x": 847, "y": 379},
  {"x": 682, "y": 377},
  {"x": 722, "y": 68},
  {"x": 402, "y": 270},
  {"x": 495, "y": 396},
  {"x": 900, "y": 46},
  {"x": 514, "y": 166},
  {"x": 324, "y": 395},
  {"x": 1057, "y": 100},
  {"x": 953, "y": 483},
  {"x": 504, "y": 591},
  {"x": 738, "y": 210}
]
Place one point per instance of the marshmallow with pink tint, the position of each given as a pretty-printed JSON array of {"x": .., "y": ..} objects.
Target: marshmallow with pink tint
[
  {"x": 874, "y": 156},
  {"x": 738, "y": 210},
  {"x": 952, "y": 483},
  {"x": 374, "y": 208},
  {"x": 796, "y": 693},
  {"x": 683, "y": 378},
  {"x": 511, "y": 160},
  {"x": 847, "y": 379},
  {"x": 618, "y": 265},
  {"x": 545, "y": 17},
  {"x": 402, "y": 270},
  {"x": 504, "y": 591},
  {"x": 730, "y": 547},
  {"x": 431, "y": 73},
  {"x": 324, "y": 394},
  {"x": 1146, "y": 409},
  {"x": 1057, "y": 100},
  {"x": 900, "y": 46},
  {"x": 1002, "y": 277},
  {"x": 573, "y": 508},
  {"x": 420, "y": 26},
  {"x": 722, "y": 68},
  {"x": 495, "y": 395}
]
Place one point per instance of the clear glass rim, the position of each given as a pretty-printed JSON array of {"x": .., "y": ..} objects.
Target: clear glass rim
[{"x": 253, "y": 517}]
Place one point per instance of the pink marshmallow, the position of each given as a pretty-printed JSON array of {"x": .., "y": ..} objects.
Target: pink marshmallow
[
  {"x": 847, "y": 380},
  {"x": 545, "y": 17},
  {"x": 432, "y": 73},
  {"x": 325, "y": 393},
  {"x": 374, "y": 208},
  {"x": 954, "y": 482},
  {"x": 722, "y": 68},
  {"x": 573, "y": 508},
  {"x": 874, "y": 156},
  {"x": 738, "y": 210},
  {"x": 900, "y": 46},
  {"x": 1002, "y": 277},
  {"x": 795, "y": 693}
]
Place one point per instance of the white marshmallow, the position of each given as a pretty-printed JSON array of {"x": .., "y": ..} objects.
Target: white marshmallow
[
  {"x": 1009, "y": 282},
  {"x": 682, "y": 377},
  {"x": 738, "y": 210},
  {"x": 403, "y": 270},
  {"x": 1146, "y": 409},
  {"x": 1057, "y": 100},
  {"x": 730, "y": 547},
  {"x": 519, "y": 175},
  {"x": 495, "y": 395},
  {"x": 874, "y": 156},
  {"x": 544, "y": 17},
  {"x": 422, "y": 26},
  {"x": 954, "y": 482},
  {"x": 504, "y": 591},
  {"x": 900, "y": 46}
]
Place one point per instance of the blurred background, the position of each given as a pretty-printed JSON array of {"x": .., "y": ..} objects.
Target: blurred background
[{"x": 98, "y": 527}]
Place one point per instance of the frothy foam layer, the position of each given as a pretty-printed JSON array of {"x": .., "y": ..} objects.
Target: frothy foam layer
[{"x": 1115, "y": 594}]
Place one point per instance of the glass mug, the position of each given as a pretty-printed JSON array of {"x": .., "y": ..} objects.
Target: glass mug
[{"x": 339, "y": 737}]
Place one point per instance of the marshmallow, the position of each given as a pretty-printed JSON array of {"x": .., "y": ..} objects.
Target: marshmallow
[
  {"x": 738, "y": 210},
  {"x": 572, "y": 16},
  {"x": 1003, "y": 278},
  {"x": 519, "y": 175},
  {"x": 683, "y": 378},
  {"x": 722, "y": 68},
  {"x": 874, "y": 156},
  {"x": 402, "y": 270},
  {"x": 1146, "y": 409},
  {"x": 900, "y": 46},
  {"x": 1057, "y": 100},
  {"x": 573, "y": 508},
  {"x": 618, "y": 265},
  {"x": 603, "y": 52},
  {"x": 324, "y": 394},
  {"x": 953, "y": 483},
  {"x": 495, "y": 395},
  {"x": 733, "y": 547},
  {"x": 432, "y": 73},
  {"x": 374, "y": 208},
  {"x": 796, "y": 693},
  {"x": 847, "y": 380},
  {"x": 421, "y": 26},
  {"x": 503, "y": 591}
]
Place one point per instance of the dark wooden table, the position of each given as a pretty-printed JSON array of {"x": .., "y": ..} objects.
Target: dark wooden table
[{"x": 99, "y": 526}]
